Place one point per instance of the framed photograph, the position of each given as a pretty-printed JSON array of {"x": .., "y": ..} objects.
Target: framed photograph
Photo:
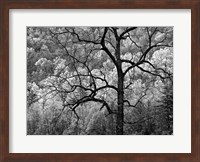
[{"x": 100, "y": 81}]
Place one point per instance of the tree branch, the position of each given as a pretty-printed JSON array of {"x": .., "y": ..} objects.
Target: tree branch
[
  {"x": 126, "y": 31},
  {"x": 105, "y": 48}
]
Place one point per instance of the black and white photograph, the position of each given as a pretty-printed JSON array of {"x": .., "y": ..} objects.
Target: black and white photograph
[{"x": 96, "y": 80}]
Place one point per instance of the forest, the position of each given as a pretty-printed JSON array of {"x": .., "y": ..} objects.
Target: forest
[{"x": 99, "y": 80}]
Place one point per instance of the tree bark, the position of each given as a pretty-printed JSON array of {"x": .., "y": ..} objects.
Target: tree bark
[
  {"x": 120, "y": 108},
  {"x": 120, "y": 94}
]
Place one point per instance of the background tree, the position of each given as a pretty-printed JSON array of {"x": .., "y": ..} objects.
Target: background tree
[{"x": 125, "y": 72}]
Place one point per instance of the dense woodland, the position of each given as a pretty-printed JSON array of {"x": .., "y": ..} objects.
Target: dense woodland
[{"x": 99, "y": 80}]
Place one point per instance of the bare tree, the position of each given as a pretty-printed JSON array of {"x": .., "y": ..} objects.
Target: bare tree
[{"x": 81, "y": 46}]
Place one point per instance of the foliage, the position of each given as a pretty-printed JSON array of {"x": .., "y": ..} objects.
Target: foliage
[{"x": 74, "y": 76}]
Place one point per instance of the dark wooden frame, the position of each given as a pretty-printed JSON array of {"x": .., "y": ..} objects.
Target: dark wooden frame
[{"x": 5, "y": 5}]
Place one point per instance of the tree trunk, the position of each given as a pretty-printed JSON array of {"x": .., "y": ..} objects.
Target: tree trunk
[
  {"x": 120, "y": 108},
  {"x": 120, "y": 94}
]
